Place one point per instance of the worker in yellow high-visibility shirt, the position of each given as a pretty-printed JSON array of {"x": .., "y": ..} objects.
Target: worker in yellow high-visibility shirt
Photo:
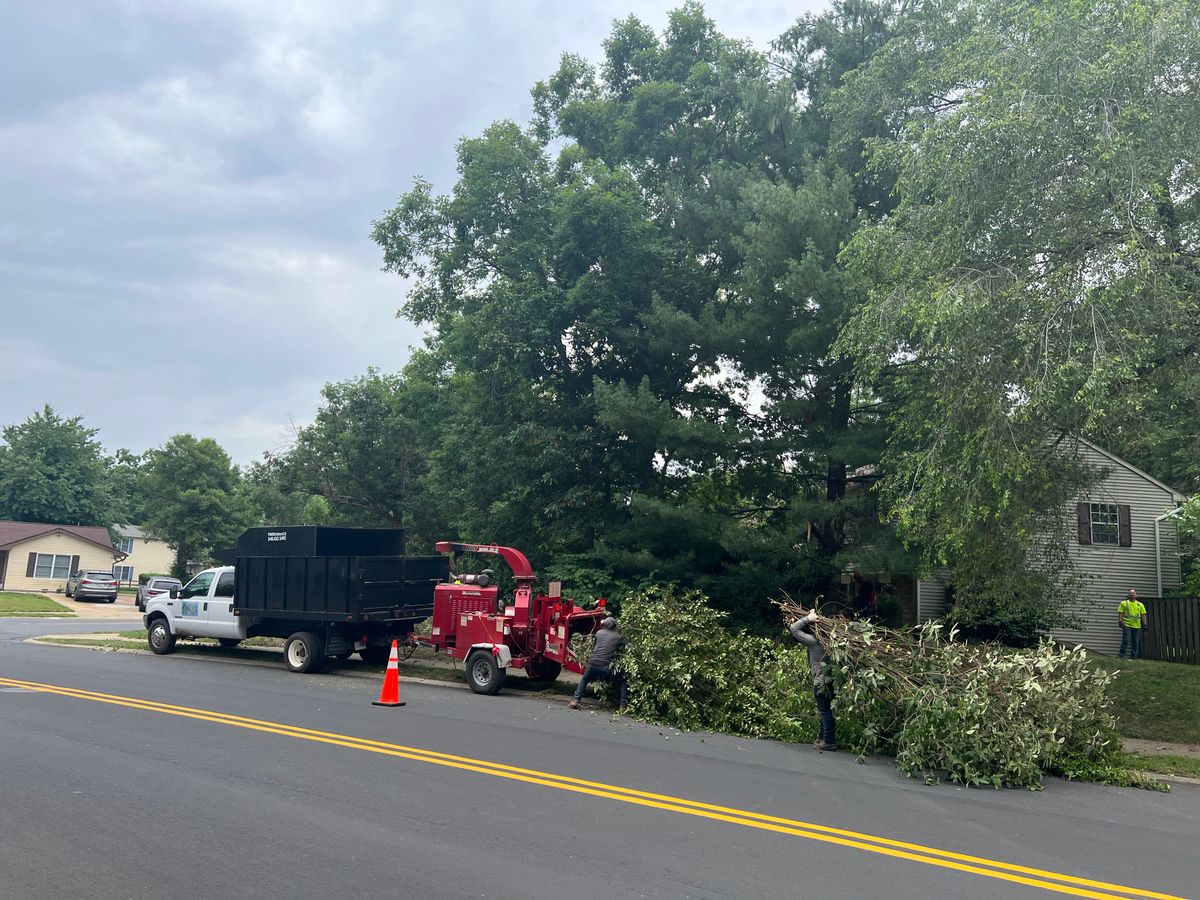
[{"x": 1131, "y": 616}]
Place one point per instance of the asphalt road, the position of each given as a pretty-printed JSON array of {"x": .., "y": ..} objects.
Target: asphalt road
[{"x": 126, "y": 776}]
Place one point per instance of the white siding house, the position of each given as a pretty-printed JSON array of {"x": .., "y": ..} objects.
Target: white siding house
[
  {"x": 143, "y": 554},
  {"x": 1114, "y": 548}
]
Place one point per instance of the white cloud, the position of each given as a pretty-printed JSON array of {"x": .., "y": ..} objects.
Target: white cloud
[{"x": 189, "y": 187}]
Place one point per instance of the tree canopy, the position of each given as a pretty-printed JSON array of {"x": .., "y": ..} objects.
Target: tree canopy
[
  {"x": 634, "y": 303},
  {"x": 1038, "y": 276},
  {"x": 54, "y": 470},
  {"x": 192, "y": 499}
]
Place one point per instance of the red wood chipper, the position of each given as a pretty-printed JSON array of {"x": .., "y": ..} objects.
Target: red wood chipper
[{"x": 532, "y": 633}]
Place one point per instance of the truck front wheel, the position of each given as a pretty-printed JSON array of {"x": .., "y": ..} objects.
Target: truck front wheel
[
  {"x": 484, "y": 674},
  {"x": 159, "y": 637},
  {"x": 304, "y": 652}
]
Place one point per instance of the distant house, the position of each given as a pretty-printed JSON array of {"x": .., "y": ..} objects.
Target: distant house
[
  {"x": 1123, "y": 539},
  {"x": 38, "y": 556},
  {"x": 143, "y": 554}
]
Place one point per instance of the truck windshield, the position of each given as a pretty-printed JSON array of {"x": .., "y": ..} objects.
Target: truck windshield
[{"x": 198, "y": 585}]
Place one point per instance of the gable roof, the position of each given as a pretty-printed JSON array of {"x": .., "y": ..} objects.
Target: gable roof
[
  {"x": 1175, "y": 495},
  {"x": 15, "y": 532}
]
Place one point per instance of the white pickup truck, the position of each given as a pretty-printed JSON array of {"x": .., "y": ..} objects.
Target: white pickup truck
[
  {"x": 208, "y": 606},
  {"x": 202, "y": 608}
]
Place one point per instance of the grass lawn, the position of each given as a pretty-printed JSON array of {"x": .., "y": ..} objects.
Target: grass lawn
[
  {"x": 30, "y": 605},
  {"x": 1157, "y": 701},
  {"x": 1168, "y": 765}
]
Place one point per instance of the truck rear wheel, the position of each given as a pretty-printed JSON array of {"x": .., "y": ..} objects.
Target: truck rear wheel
[
  {"x": 374, "y": 655},
  {"x": 159, "y": 637},
  {"x": 543, "y": 670},
  {"x": 304, "y": 652},
  {"x": 484, "y": 674}
]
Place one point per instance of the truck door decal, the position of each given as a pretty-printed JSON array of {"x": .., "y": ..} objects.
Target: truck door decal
[{"x": 189, "y": 608}]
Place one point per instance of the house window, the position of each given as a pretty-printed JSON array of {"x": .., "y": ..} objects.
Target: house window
[
  {"x": 1105, "y": 524},
  {"x": 50, "y": 565},
  {"x": 126, "y": 545},
  {"x": 123, "y": 573}
]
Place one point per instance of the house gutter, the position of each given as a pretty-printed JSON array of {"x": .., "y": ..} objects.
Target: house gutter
[{"x": 1158, "y": 543}]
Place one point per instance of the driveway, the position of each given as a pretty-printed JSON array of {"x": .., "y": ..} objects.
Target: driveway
[{"x": 124, "y": 608}]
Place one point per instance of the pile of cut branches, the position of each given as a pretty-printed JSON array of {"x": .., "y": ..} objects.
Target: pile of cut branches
[
  {"x": 688, "y": 670},
  {"x": 976, "y": 713}
]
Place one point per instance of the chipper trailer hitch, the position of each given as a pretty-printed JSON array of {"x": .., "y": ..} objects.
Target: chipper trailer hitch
[{"x": 532, "y": 632}]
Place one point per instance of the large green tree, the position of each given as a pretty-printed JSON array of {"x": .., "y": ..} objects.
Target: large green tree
[
  {"x": 1039, "y": 275},
  {"x": 53, "y": 470},
  {"x": 563, "y": 297},
  {"x": 192, "y": 499},
  {"x": 634, "y": 304}
]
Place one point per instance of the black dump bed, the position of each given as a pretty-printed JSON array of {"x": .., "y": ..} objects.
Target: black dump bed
[
  {"x": 320, "y": 540},
  {"x": 338, "y": 588},
  {"x": 326, "y": 574}
]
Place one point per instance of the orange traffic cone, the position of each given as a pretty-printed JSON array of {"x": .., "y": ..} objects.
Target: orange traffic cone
[{"x": 390, "y": 695}]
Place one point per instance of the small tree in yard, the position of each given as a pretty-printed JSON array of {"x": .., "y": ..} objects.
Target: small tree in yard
[
  {"x": 192, "y": 500},
  {"x": 53, "y": 470}
]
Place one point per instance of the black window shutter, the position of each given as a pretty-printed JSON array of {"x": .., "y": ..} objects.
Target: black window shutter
[
  {"x": 74, "y": 565},
  {"x": 1124, "y": 535},
  {"x": 31, "y": 566},
  {"x": 1083, "y": 513}
]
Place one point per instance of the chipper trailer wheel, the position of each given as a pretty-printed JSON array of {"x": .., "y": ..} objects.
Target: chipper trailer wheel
[
  {"x": 484, "y": 674},
  {"x": 304, "y": 652},
  {"x": 543, "y": 670}
]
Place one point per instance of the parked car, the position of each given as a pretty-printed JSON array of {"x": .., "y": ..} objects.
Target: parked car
[
  {"x": 153, "y": 588},
  {"x": 93, "y": 584}
]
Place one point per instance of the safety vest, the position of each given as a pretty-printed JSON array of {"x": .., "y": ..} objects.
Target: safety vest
[{"x": 1131, "y": 612}]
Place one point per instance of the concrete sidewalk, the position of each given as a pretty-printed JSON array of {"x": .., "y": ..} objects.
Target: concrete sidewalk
[{"x": 1160, "y": 748}]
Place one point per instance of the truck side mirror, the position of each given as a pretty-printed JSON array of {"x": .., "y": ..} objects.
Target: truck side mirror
[{"x": 174, "y": 593}]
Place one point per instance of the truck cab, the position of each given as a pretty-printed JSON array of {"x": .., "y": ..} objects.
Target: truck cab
[{"x": 201, "y": 608}]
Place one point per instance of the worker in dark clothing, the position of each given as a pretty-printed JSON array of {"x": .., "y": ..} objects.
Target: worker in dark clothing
[
  {"x": 822, "y": 682},
  {"x": 600, "y": 664}
]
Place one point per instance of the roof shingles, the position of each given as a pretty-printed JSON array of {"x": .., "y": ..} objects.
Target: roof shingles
[{"x": 15, "y": 532}]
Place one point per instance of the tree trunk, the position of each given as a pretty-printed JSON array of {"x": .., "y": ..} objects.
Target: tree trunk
[
  {"x": 839, "y": 422},
  {"x": 179, "y": 569}
]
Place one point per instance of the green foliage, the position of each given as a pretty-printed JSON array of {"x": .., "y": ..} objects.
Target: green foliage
[
  {"x": 632, "y": 307},
  {"x": 193, "y": 502},
  {"x": 144, "y": 577},
  {"x": 687, "y": 669},
  {"x": 979, "y": 714},
  {"x": 1006, "y": 597},
  {"x": 53, "y": 470},
  {"x": 1037, "y": 277},
  {"x": 1189, "y": 546}
]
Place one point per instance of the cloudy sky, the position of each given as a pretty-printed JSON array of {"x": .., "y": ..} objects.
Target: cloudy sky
[{"x": 188, "y": 188}]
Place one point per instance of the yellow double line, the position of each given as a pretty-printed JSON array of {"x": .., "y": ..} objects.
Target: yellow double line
[{"x": 932, "y": 856}]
